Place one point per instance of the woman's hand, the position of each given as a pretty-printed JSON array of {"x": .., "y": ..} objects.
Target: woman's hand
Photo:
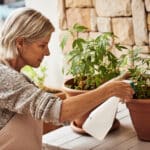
[{"x": 118, "y": 88}]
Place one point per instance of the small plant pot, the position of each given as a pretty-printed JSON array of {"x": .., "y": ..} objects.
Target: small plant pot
[
  {"x": 61, "y": 94},
  {"x": 77, "y": 129},
  {"x": 79, "y": 121},
  {"x": 140, "y": 115}
]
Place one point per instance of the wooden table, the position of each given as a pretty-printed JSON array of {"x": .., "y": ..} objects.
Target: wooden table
[{"x": 122, "y": 139}]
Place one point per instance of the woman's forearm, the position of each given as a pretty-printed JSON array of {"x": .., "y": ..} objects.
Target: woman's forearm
[{"x": 76, "y": 106}]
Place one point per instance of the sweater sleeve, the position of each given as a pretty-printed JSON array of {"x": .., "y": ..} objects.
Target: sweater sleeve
[{"x": 18, "y": 95}]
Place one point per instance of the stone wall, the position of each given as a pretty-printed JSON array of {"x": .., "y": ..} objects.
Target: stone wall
[{"x": 129, "y": 20}]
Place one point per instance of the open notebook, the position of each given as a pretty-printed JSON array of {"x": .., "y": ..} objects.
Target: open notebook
[{"x": 101, "y": 119}]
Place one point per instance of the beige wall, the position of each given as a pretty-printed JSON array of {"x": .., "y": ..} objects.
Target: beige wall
[{"x": 127, "y": 19}]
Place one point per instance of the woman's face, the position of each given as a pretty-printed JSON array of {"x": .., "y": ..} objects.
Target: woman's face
[{"x": 33, "y": 53}]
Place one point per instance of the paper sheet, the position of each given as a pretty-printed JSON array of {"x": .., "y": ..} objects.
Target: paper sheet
[{"x": 101, "y": 119}]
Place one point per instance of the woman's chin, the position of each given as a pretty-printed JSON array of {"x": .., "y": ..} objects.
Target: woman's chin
[{"x": 35, "y": 65}]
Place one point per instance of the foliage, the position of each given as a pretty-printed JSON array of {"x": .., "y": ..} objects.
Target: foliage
[
  {"x": 75, "y": 29},
  {"x": 139, "y": 73},
  {"x": 36, "y": 75},
  {"x": 91, "y": 63}
]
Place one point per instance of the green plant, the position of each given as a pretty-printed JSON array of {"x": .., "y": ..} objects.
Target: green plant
[
  {"x": 36, "y": 75},
  {"x": 139, "y": 73},
  {"x": 90, "y": 61}
]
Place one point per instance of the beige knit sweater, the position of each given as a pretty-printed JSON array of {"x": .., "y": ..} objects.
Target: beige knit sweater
[{"x": 17, "y": 95}]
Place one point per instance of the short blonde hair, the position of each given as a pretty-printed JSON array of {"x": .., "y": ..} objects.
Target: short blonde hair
[{"x": 26, "y": 23}]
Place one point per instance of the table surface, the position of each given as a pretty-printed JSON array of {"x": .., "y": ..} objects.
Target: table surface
[{"x": 122, "y": 139}]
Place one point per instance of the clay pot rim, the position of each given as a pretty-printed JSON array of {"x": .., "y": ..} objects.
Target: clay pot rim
[
  {"x": 69, "y": 89},
  {"x": 77, "y": 129}
]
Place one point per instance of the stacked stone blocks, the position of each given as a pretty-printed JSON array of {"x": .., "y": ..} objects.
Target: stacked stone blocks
[{"x": 129, "y": 20}]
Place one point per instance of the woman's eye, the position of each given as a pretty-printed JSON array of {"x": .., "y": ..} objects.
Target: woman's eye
[{"x": 42, "y": 46}]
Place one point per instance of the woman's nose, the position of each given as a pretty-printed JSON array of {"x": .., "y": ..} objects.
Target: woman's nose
[{"x": 47, "y": 52}]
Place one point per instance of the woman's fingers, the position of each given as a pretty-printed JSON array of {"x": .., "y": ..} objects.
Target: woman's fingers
[
  {"x": 120, "y": 89},
  {"x": 123, "y": 90}
]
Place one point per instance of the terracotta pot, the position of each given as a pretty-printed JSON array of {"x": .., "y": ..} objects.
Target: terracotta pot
[
  {"x": 78, "y": 122},
  {"x": 140, "y": 115},
  {"x": 62, "y": 95},
  {"x": 72, "y": 92}
]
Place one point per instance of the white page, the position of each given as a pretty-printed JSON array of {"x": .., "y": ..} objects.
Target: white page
[{"x": 101, "y": 119}]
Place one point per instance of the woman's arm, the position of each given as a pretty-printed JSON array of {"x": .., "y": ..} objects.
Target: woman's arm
[
  {"x": 20, "y": 96},
  {"x": 76, "y": 106}
]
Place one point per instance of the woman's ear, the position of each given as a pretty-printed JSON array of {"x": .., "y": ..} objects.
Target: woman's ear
[{"x": 20, "y": 43}]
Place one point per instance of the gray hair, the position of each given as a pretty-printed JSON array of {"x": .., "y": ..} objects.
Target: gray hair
[{"x": 26, "y": 23}]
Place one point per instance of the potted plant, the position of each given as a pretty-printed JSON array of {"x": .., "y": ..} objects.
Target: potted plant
[
  {"x": 139, "y": 106},
  {"x": 90, "y": 63}
]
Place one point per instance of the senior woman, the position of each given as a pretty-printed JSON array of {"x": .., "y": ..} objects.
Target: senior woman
[{"x": 23, "y": 107}]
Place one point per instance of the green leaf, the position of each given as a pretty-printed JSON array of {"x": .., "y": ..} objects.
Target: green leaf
[
  {"x": 29, "y": 71},
  {"x": 36, "y": 75},
  {"x": 78, "y": 43},
  {"x": 64, "y": 41},
  {"x": 120, "y": 47},
  {"x": 79, "y": 28}
]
